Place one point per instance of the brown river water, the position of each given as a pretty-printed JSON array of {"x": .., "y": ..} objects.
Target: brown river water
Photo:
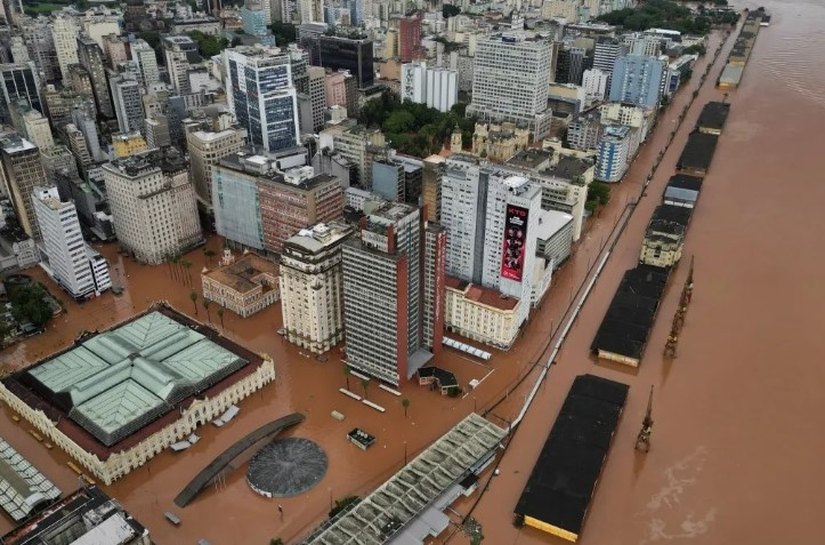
[{"x": 738, "y": 415}]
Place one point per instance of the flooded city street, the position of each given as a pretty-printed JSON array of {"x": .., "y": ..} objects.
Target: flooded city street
[{"x": 738, "y": 413}]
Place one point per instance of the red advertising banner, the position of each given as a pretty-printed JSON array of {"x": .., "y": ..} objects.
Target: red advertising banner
[{"x": 515, "y": 243}]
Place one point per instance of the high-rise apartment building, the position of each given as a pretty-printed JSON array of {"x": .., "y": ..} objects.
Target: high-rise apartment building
[
  {"x": 435, "y": 87},
  {"x": 594, "y": 82},
  {"x": 463, "y": 195},
  {"x": 78, "y": 145},
  {"x": 341, "y": 89},
  {"x": 637, "y": 79},
  {"x": 352, "y": 143},
  {"x": 179, "y": 51},
  {"x": 22, "y": 171},
  {"x": 127, "y": 100},
  {"x": 91, "y": 58},
  {"x": 262, "y": 96},
  {"x": 317, "y": 96},
  {"x": 114, "y": 50},
  {"x": 392, "y": 323},
  {"x": 37, "y": 34},
  {"x": 206, "y": 149},
  {"x": 37, "y": 129},
  {"x": 432, "y": 172},
  {"x": 511, "y": 78},
  {"x": 605, "y": 54},
  {"x": 353, "y": 54},
  {"x": 67, "y": 258},
  {"x": 409, "y": 37},
  {"x": 20, "y": 80},
  {"x": 64, "y": 34},
  {"x": 312, "y": 11},
  {"x": 143, "y": 54},
  {"x": 153, "y": 205},
  {"x": 614, "y": 148},
  {"x": 100, "y": 21},
  {"x": 312, "y": 299}
]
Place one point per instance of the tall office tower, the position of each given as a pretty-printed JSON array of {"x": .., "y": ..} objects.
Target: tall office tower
[
  {"x": 352, "y": 144},
  {"x": 435, "y": 87},
  {"x": 341, "y": 89},
  {"x": 91, "y": 58},
  {"x": 353, "y": 54},
  {"x": 20, "y": 81},
  {"x": 19, "y": 51},
  {"x": 594, "y": 82},
  {"x": 37, "y": 130},
  {"x": 356, "y": 12},
  {"x": 153, "y": 205},
  {"x": 86, "y": 124},
  {"x": 64, "y": 35},
  {"x": 69, "y": 260},
  {"x": 642, "y": 44},
  {"x": 37, "y": 33},
  {"x": 312, "y": 298},
  {"x": 157, "y": 131},
  {"x": 614, "y": 149},
  {"x": 295, "y": 201},
  {"x": 179, "y": 51},
  {"x": 317, "y": 96},
  {"x": 387, "y": 271},
  {"x": 206, "y": 149},
  {"x": 511, "y": 78},
  {"x": 409, "y": 37},
  {"x": 606, "y": 52},
  {"x": 58, "y": 159},
  {"x": 78, "y": 145},
  {"x": 143, "y": 54},
  {"x": 80, "y": 81},
  {"x": 637, "y": 79},
  {"x": 309, "y": 35},
  {"x": 433, "y": 170},
  {"x": 128, "y": 102},
  {"x": 262, "y": 96},
  {"x": 312, "y": 11},
  {"x": 22, "y": 172}
]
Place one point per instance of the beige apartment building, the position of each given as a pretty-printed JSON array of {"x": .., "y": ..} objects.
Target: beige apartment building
[
  {"x": 206, "y": 149},
  {"x": 21, "y": 171},
  {"x": 153, "y": 205},
  {"x": 311, "y": 287},
  {"x": 244, "y": 286},
  {"x": 481, "y": 314}
]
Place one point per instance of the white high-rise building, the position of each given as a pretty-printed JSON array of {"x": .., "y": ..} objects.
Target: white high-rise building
[
  {"x": 435, "y": 87},
  {"x": 38, "y": 131},
  {"x": 66, "y": 257},
  {"x": 153, "y": 205},
  {"x": 143, "y": 54},
  {"x": 64, "y": 33},
  {"x": 100, "y": 21},
  {"x": 594, "y": 82},
  {"x": 262, "y": 96},
  {"x": 176, "y": 51},
  {"x": 511, "y": 77},
  {"x": 312, "y": 11},
  {"x": 461, "y": 200}
]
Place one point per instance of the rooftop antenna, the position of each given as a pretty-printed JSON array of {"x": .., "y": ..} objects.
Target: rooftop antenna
[{"x": 643, "y": 439}]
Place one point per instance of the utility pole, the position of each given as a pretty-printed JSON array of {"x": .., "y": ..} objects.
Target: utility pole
[{"x": 643, "y": 439}]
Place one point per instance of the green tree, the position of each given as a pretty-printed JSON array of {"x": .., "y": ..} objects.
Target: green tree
[
  {"x": 206, "y": 302},
  {"x": 186, "y": 264},
  {"x": 284, "y": 33},
  {"x": 208, "y": 45},
  {"x": 276, "y": 541},
  {"x": 449, "y": 10},
  {"x": 29, "y": 304},
  {"x": 220, "y": 314},
  {"x": 364, "y": 384},
  {"x": 406, "y": 404},
  {"x": 193, "y": 296},
  {"x": 342, "y": 504}
]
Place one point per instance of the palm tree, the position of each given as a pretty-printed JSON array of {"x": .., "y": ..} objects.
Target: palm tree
[
  {"x": 364, "y": 383},
  {"x": 169, "y": 263},
  {"x": 220, "y": 315},
  {"x": 406, "y": 404},
  {"x": 193, "y": 295},
  {"x": 209, "y": 255},
  {"x": 347, "y": 372},
  {"x": 175, "y": 259},
  {"x": 186, "y": 264},
  {"x": 205, "y": 302}
]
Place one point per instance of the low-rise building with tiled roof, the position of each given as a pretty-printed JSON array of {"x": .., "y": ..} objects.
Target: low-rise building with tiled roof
[{"x": 244, "y": 286}]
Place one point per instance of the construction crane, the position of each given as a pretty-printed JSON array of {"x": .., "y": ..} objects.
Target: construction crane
[
  {"x": 679, "y": 317},
  {"x": 643, "y": 439}
]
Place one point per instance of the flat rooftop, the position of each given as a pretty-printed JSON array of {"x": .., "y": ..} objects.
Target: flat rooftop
[
  {"x": 385, "y": 512},
  {"x": 698, "y": 152},
  {"x": 714, "y": 115},
  {"x": 551, "y": 222},
  {"x": 563, "y": 481},
  {"x": 245, "y": 273},
  {"x": 627, "y": 322},
  {"x": 112, "y": 389},
  {"x": 683, "y": 181},
  {"x": 318, "y": 237},
  {"x": 531, "y": 158}
]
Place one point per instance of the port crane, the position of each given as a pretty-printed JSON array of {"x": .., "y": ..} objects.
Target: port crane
[
  {"x": 643, "y": 439},
  {"x": 679, "y": 317}
]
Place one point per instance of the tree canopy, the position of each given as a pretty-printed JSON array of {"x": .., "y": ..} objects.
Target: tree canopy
[
  {"x": 284, "y": 33},
  {"x": 414, "y": 129},
  {"x": 450, "y": 10},
  {"x": 666, "y": 14},
  {"x": 28, "y": 304},
  {"x": 208, "y": 45}
]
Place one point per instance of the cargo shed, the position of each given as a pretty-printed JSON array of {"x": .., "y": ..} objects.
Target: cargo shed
[
  {"x": 713, "y": 117},
  {"x": 697, "y": 154},
  {"x": 558, "y": 493},
  {"x": 682, "y": 190},
  {"x": 623, "y": 333}
]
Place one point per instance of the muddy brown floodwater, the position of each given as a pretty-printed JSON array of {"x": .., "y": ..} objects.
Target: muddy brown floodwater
[{"x": 737, "y": 439}]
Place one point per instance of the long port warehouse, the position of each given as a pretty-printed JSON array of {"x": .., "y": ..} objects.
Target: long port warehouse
[
  {"x": 741, "y": 52},
  {"x": 623, "y": 333},
  {"x": 561, "y": 485}
]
